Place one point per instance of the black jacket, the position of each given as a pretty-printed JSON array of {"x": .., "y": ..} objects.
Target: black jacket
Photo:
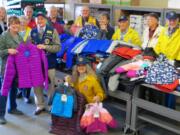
[
  {"x": 5, "y": 28},
  {"x": 106, "y": 34}
]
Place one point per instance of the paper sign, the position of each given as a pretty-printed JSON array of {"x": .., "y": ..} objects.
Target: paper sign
[{"x": 64, "y": 98}]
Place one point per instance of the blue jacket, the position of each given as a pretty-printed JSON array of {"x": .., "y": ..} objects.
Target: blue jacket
[
  {"x": 64, "y": 108},
  {"x": 67, "y": 46},
  {"x": 95, "y": 46}
]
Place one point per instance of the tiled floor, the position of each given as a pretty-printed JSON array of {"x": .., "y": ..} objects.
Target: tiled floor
[{"x": 28, "y": 124}]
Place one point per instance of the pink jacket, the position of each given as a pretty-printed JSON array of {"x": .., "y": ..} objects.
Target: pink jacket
[{"x": 29, "y": 66}]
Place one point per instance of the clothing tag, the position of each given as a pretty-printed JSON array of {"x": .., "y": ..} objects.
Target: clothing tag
[
  {"x": 96, "y": 114},
  {"x": 66, "y": 84},
  {"x": 64, "y": 98},
  {"x": 99, "y": 65}
]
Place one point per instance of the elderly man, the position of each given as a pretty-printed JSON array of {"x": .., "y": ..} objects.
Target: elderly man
[
  {"x": 46, "y": 38},
  {"x": 168, "y": 43},
  {"x": 125, "y": 33},
  {"x": 53, "y": 19},
  {"x": 28, "y": 12},
  {"x": 85, "y": 18}
]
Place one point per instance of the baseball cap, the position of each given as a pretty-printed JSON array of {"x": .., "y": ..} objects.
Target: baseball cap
[
  {"x": 41, "y": 14},
  {"x": 81, "y": 61},
  {"x": 171, "y": 15},
  {"x": 123, "y": 18}
]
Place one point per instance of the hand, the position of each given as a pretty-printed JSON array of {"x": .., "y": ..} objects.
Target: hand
[
  {"x": 103, "y": 27},
  {"x": 41, "y": 46},
  {"x": 96, "y": 99},
  {"x": 12, "y": 51},
  {"x": 68, "y": 79}
]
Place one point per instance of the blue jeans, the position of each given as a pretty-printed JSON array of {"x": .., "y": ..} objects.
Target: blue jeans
[
  {"x": 12, "y": 100},
  {"x": 26, "y": 92},
  {"x": 171, "y": 101}
]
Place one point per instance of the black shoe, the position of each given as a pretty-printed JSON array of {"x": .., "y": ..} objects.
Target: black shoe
[
  {"x": 2, "y": 121},
  {"x": 45, "y": 95},
  {"x": 15, "y": 112},
  {"x": 39, "y": 111},
  {"x": 19, "y": 95}
]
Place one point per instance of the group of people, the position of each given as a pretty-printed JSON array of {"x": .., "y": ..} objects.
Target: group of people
[
  {"x": 43, "y": 31},
  {"x": 45, "y": 37},
  {"x": 157, "y": 38}
]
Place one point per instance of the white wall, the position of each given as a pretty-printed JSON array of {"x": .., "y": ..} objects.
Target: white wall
[{"x": 3, "y": 2}]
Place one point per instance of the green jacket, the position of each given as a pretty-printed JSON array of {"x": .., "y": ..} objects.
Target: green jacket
[{"x": 7, "y": 41}]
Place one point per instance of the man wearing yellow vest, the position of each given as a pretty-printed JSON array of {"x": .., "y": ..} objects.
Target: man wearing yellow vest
[
  {"x": 125, "y": 33},
  {"x": 85, "y": 18},
  {"x": 169, "y": 39},
  {"x": 169, "y": 45}
]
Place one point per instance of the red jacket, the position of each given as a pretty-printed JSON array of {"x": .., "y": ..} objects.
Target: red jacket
[
  {"x": 126, "y": 52},
  {"x": 32, "y": 24},
  {"x": 57, "y": 26}
]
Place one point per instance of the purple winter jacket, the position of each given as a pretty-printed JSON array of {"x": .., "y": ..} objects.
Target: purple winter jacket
[{"x": 29, "y": 66}]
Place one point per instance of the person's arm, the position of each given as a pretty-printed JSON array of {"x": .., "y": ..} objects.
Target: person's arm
[
  {"x": 99, "y": 92},
  {"x": 101, "y": 34},
  {"x": 109, "y": 33},
  {"x": 55, "y": 47},
  {"x": 136, "y": 39},
  {"x": 3, "y": 48},
  {"x": 115, "y": 35},
  {"x": 157, "y": 47}
]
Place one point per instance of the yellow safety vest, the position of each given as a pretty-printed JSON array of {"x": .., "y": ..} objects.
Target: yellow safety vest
[
  {"x": 169, "y": 46},
  {"x": 131, "y": 36},
  {"x": 91, "y": 20}
]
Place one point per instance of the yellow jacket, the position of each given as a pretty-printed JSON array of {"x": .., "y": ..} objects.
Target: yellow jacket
[
  {"x": 169, "y": 46},
  {"x": 91, "y": 20},
  {"x": 27, "y": 34},
  {"x": 90, "y": 88},
  {"x": 131, "y": 36}
]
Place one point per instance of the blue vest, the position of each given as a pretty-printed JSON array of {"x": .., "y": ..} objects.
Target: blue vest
[{"x": 46, "y": 39}]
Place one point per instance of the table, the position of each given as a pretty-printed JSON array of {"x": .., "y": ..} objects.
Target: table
[{"x": 149, "y": 112}]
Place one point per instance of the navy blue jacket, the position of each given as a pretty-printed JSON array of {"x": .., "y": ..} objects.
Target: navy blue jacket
[{"x": 46, "y": 39}]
